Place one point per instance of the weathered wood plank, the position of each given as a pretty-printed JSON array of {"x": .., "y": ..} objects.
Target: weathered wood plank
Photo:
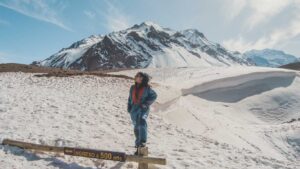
[
  {"x": 89, "y": 153},
  {"x": 141, "y": 159},
  {"x": 32, "y": 146}
]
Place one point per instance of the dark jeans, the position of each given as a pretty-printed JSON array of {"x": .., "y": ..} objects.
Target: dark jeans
[{"x": 140, "y": 126}]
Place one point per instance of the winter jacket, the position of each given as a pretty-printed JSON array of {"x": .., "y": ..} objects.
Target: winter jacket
[{"x": 148, "y": 97}]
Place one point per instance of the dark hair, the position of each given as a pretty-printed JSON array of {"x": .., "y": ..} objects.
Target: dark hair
[{"x": 146, "y": 79}]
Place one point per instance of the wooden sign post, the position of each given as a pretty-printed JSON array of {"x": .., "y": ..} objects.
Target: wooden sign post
[
  {"x": 143, "y": 151},
  {"x": 142, "y": 157}
]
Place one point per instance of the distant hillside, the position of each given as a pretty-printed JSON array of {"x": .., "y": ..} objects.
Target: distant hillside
[
  {"x": 293, "y": 66},
  {"x": 15, "y": 67},
  {"x": 56, "y": 72}
]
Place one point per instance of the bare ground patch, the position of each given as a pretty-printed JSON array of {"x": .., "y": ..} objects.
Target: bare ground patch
[{"x": 56, "y": 72}]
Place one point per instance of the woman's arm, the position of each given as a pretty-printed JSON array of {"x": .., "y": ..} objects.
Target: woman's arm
[
  {"x": 151, "y": 97},
  {"x": 129, "y": 105}
]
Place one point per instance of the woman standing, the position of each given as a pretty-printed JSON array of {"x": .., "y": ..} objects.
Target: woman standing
[{"x": 141, "y": 96}]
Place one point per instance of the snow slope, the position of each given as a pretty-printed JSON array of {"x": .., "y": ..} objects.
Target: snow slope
[
  {"x": 67, "y": 56},
  {"x": 233, "y": 117}
]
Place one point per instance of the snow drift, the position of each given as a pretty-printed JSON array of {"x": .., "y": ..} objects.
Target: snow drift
[{"x": 234, "y": 89}]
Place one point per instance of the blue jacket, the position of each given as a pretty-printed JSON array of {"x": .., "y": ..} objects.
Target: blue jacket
[{"x": 148, "y": 97}]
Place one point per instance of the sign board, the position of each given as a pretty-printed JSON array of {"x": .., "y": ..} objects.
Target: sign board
[{"x": 105, "y": 155}]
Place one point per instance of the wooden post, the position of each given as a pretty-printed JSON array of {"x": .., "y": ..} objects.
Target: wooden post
[{"x": 143, "y": 151}]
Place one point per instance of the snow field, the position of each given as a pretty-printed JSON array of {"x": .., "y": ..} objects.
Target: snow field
[{"x": 191, "y": 131}]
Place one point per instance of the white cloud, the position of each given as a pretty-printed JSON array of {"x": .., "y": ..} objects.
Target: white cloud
[
  {"x": 115, "y": 19},
  {"x": 90, "y": 14},
  {"x": 235, "y": 8},
  {"x": 3, "y": 58},
  {"x": 37, "y": 9},
  {"x": 4, "y": 22},
  {"x": 275, "y": 38},
  {"x": 264, "y": 10},
  {"x": 257, "y": 11}
]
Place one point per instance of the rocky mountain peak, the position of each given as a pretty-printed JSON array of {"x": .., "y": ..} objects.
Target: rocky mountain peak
[{"x": 143, "y": 45}]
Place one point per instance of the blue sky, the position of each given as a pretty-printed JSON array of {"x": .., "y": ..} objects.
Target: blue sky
[{"x": 35, "y": 29}]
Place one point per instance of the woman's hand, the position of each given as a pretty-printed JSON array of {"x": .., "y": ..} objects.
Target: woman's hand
[
  {"x": 128, "y": 108},
  {"x": 144, "y": 107}
]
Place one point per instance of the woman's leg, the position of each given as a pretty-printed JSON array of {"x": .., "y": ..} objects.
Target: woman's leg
[
  {"x": 134, "y": 119},
  {"x": 142, "y": 123}
]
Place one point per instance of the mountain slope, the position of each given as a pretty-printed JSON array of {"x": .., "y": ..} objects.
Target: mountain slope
[
  {"x": 270, "y": 57},
  {"x": 144, "y": 45}
]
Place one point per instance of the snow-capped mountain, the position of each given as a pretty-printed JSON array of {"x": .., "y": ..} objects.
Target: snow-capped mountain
[
  {"x": 270, "y": 57},
  {"x": 144, "y": 45}
]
